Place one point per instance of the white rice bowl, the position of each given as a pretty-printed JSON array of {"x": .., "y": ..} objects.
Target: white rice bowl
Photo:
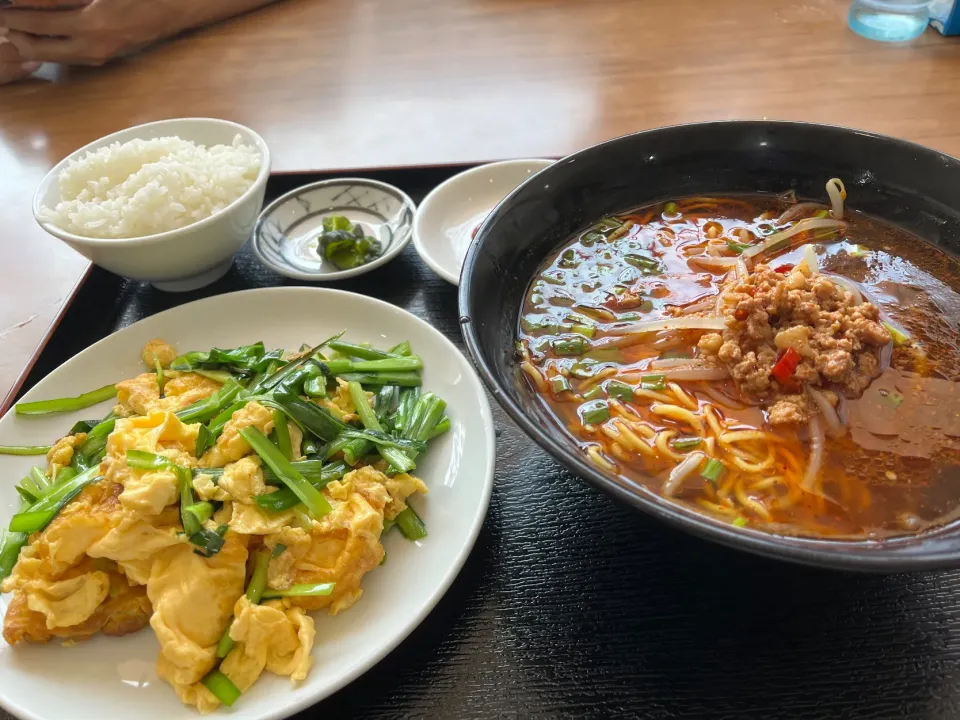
[{"x": 144, "y": 187}]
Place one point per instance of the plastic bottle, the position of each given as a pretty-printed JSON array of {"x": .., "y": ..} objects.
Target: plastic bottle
[{"x": 889, "y": 20}]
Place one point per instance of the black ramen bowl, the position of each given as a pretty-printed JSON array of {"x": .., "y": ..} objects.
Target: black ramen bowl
[{"x": 902, "y": 183}]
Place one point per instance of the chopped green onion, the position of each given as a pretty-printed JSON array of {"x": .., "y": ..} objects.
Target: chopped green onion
[
  {"x": 10, "y": 546},
  {"x": 222, "y": 687},
  {"x": 390, "y": 364},
  {"x": 284, "y": 374},
  {"x": 285, "y": 498},
  {"x": 739, "y": 521},
  {"x": 403, "y": 379},
  {"x": 191, "y": 523},
  {"x": 283, "y": 434},
  {"x": 315, "y": 419},
  {"x": 410, "y": 524},
  {"x": 424, "y": 418},
  {"x": 359, "y": 351},
  {"x": 737, "y": 247},
  {"x": 593, "y": 393},
  {"x": 533, "y": 323},
  {"x": 306, "y": 590},
  {"x": 205, "y": 439},
  {"x": 593, "y": 412},
  {"x": 63, "y": 474},
  {"x": 97, "y": 437},
  {"x": 28, "y": 496},
  {"x": 822, "y": 213},
  {"x": 84, "y": 426},
  {"x": 44, "y": 407},
  {"x": 568, "y": 259},
  {"x": 315, "y": 387},
  {"x": 254, "y": 593},
  {"x": 220, "y": 376},
  {"x": 201, "y": 511},
  {"x": 686, "y": 443},
  {"x": 31, "y": 521},
  {"x": 559, "y": 384},
  {"x": 587, "y": 331},
  {"x": 440, "y": 428},
  {"x": 143, "y": 460},
  {"x": 892, "y": 399},
  {"x": 208, "y": 542},
  {"x": 570, "y": 346},
  {"x": 647, "y": 265},
  {"x": 403, "y": 349},
  {"x": 39, "y": 477},
  {"x": 857, "y": 251},
  {"x": 384, "y": 441},
  {"x": 713, "y": 470},
  {"x": 316, "y": 503},
  {"x": 204, "y": 409},
  {"x": 653, "y": 382},
  {"x": 619, "y": 390},
  {"x": 399, "y": 460},
  {"x": 900, "y": 338},
  {"x": 584, "y": 368},
  {"x": 54, "y": 500},
  {"x": 24, "y": 449}
]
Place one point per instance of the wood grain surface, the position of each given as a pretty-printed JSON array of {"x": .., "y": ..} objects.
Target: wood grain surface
[
  {"x": 337, "y": 84},
  {"x": 572, "y": 605}
]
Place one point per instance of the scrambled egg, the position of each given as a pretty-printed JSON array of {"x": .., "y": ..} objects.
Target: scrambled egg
[
  {"x": 230, "y": 445},
  {"x": 243, "y": 480},
  {"x": 158, "y": 351},
  {"x": 193, "y": 599},
  {"x": 61, "y": 453},
  {"x": 124, "y": 610},
  {"x": 341, "y": 547},
  {"x": 269, "y": 637},
  {"x": 116, "y": 558},
  {"x": 147, "y": 492},
  {"x": 341, "y": 404},
  {"x": 141, "y": 395},
  {"x": 62, "y": 592}
]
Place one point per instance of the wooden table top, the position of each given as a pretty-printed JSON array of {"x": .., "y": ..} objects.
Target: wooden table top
[{"x": 337, "y": 84}]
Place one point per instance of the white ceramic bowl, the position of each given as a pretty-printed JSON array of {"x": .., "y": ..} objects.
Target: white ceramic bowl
[
  {"x": 287, "y": 233},
  {"x": 183, "y": 259},
  {"x": 445, "y": 223}
]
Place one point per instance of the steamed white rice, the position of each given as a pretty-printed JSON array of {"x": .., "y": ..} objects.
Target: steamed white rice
[{"x": 145, "y": 187}]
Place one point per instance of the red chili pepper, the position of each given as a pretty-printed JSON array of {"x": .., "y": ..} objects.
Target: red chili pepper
[
  {"x": 783, "y": 269},
  {"x": 786, "y": 366}
]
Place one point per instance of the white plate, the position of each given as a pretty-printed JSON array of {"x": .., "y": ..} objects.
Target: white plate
[
  {"x": 448, "y": 217},
  {"x": 287, "y": 232},
  {"x": 114, "y": 677}
]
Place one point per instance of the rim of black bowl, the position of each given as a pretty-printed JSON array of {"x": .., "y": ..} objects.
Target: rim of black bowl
[{"x": 857, "y": 555}]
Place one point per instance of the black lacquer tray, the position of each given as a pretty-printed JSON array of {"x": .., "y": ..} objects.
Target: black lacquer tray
[{"x": 572, "y": 605}]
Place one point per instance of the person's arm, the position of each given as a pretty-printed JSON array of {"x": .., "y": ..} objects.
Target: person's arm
[{"x": 106, "y": 29}]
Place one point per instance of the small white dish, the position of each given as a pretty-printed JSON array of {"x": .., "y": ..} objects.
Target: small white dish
[
  {"x": 287, "y": 233},
  {"x": 179, "y": 260},
  {"x": 115, "y": 677},
  {"x": 450, "y": 215}
]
